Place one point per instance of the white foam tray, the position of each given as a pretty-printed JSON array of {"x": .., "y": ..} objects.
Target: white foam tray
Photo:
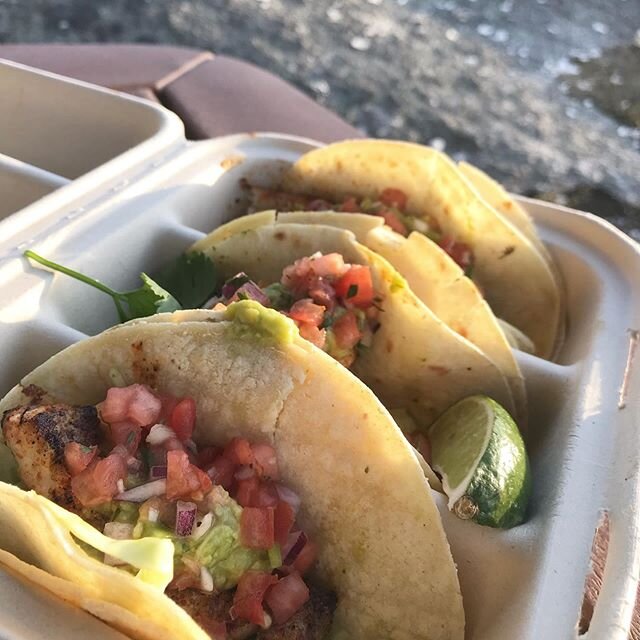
[{"x": 583, "y": 436}]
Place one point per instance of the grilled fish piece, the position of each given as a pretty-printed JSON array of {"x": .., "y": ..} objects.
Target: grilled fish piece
[
  {"x": 37, "y": 437},
  {"x": 209, "y": 610},
  {"x": 311, "y": 622}
]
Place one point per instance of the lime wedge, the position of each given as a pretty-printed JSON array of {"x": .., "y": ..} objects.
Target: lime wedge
[{"x": 477, "y": 449}]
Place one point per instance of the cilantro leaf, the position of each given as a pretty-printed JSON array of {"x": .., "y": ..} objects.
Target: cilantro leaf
[
  {"x": 149, "y": 299},
  {"x": 352, "y": 291},
  {"x": 191, "y": 278}
]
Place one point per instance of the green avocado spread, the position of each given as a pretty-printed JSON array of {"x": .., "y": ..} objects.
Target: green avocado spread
[
  {"x": 250, "y": 320},
  {"x": 219, "y": 549}
]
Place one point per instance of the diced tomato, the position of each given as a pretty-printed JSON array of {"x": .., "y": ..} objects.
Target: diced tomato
[
  {"x": 77, "y": 457},
  {"x": 330, "y": 265},
  {"x": 307, "y": 311},
  {"x": 126, "y": 433},
  {"x": 266, "y": 464},
  {"x": 207, "y": 456},
  {"x": 392, "y": 219},
  {"x": 346, "y": 331},
  {"x": 313, "y": 334},
  {"x": 247, "y": 491},
  {"x": 221, "y": 472},
  {"x": 135, "y": 403},
  {"x": 168, "y": 405},
  {"x": 286, "y": 597},
  {"x": 306, "y": 558},
  {"x": 394, "y": 198},
  {"x": 257, "y": 527},
  {"x": 355, "y": 287},
  {"x": 185, "y": 480},
  {"x": 238, "y": 450},
  {"x": 350, "y": 205},
  {"x": 297, "y": 276},
  {"x": 247, "y": 600},
  {"x": 283, "y": 520},
  {"x": 183, "y": 418},
  {"x": 145, "y": 406},
  {"x": 460, "y": 253},
  {"x": 98, "y": 483}
]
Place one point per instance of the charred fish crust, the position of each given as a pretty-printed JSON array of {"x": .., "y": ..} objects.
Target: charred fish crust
[
  {"x": 60, "y": 424},
  {"x": 311, "y": 622},
  {"x": 210, "y": 610}
]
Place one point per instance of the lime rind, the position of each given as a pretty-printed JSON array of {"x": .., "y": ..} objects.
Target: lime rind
[
  {"x": 457, "y": 454},
  {"x": 496, "y": 485}
]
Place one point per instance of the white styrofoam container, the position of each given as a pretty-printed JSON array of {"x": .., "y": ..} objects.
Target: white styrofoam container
[
  {"x": 583, "y": 436},
  {"x": 75, "y": 134}
]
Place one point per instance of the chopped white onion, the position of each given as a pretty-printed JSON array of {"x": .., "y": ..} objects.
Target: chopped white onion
[
  {"x": 153, "y": 514},
  {"x": 289, "y": 496},
  {"x": 144, "y": 491},
  {"x": 160, "y": 433},
  {"x": 206, "y": 580},
  {"x": 267, "y": 621},
  {"x": 120, "y": 485},
  {"x": 203, "y": 527}
]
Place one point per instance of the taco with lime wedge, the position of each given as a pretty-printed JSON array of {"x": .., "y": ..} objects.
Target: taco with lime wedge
[
  {"x": 211, "y": 474},
  {"x": 431, "y": 273},
  {"x": 353, "y": 304},
  {"x": 416, "y": 188}
]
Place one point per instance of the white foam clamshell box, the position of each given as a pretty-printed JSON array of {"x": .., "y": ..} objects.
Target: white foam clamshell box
[{"x": 146, "y": 195}]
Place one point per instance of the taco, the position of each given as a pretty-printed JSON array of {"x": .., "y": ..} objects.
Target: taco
[
  {"x": 233, "y": 464},
  {"x": 350, "y": 302},
  {"x": 433, "y": 276},
  {"x": 415, "y": 188}
]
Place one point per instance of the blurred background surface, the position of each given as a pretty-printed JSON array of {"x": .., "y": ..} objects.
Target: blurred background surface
[{"x": 542, "y": 94}]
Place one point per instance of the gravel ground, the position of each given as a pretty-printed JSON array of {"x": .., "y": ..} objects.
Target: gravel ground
[{"x": 543, "y": 94}]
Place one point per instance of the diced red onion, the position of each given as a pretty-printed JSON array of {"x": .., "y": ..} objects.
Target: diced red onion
[
  {"x": 289, "y": 496},
  {"x": 233, "y": 284},
  {"x": 185, "y": 518},
  {"x": 202, "y": 528},
  {"x": 244, "y": 473},
  {"x": 251, "y": 291},
  {"x": 158, "y": 471},
  {"x": 295, "y": 544},
  {"x": 159, "y": 434},
  {"x": 206, "y": 580},
  {"x": 144, "y": 491}
]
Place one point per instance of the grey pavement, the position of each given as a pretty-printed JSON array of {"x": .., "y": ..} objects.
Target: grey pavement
[{"x": 542, "y": 94}]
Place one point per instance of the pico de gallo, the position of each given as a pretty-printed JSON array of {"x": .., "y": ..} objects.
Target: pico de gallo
[
  {"x": 332, "y": 302},
  {"x": 391, "y": 205},
  {"x": 130, "y": 467}
]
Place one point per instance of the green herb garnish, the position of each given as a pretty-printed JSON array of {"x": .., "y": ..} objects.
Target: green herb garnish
[
  {"x": 352, "y": 290},
  {"x": 149, "y": 299},
  {"x": 191, "y": 278}
]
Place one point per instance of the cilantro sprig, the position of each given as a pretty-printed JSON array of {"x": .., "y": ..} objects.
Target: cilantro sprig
[
  {"x": 145, "y": 301},
  {"x": 192, "y": 278}
]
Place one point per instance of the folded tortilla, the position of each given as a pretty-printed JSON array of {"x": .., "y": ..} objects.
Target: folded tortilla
[{"x": 364, "y": 497}]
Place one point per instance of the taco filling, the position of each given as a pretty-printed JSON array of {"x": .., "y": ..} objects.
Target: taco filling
[
  {"x": 390, "y": 205},
  {"x": 333, "y": 303},
  {"x": 130, "y": 468}
]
